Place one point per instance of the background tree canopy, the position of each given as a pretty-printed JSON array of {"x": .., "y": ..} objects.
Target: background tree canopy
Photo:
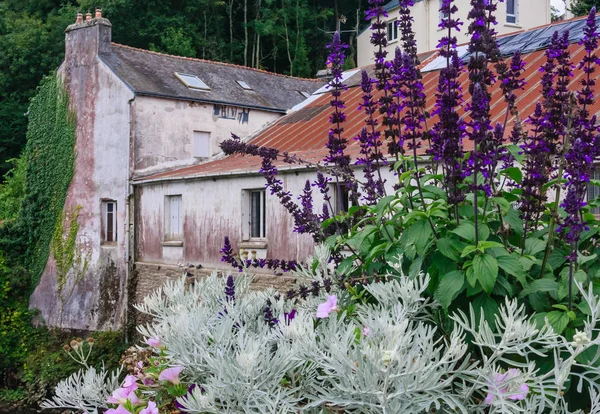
[
  {"x": 283, "y": 36},
  {"x": 583, "y": 7}
]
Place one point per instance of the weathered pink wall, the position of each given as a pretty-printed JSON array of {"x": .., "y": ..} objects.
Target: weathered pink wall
[
  {"x": 213, "y": 210},
  {"x": 101, "y": 102}
]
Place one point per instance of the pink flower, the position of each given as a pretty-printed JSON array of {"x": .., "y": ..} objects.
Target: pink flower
[
  {"x": 154, "y": 342},
  {"x": 171, "y": 375},
  {"x": 507, "y": 387},
  {"x": 366, "y": 331},
  {"x": 120, "y": 410},
  {"x": 326, "y": 308},
  {"x": 151, "y": 409},
  {"x": 130, "y": 381},
  {"x": 122, "y": 395}
]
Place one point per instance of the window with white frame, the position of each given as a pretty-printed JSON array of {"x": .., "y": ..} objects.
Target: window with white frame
[
  {"x": 392, "y": 31},
  {"x": 201, "y": 144},
  {"x": 512, "y": 11},
  {"x": 255, "y": 215},
  {"x": 341, "y": 198},
  {"x": 173, "y": 217},
  {"x": 593, "y": 191},
  {"x": 108, "y": 233}
]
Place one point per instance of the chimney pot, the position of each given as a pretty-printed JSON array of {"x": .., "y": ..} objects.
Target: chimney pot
[
  {"x": 88, "y": 17},
  {"x": 79, "y": 18},
  {"x": 98, "y": 13}
]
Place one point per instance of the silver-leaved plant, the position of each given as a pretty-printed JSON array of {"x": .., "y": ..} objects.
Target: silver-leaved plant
[{"x": 387, "y": 356}]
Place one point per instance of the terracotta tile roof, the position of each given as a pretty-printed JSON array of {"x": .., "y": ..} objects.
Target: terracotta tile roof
[{"x": 304, "y": 132}]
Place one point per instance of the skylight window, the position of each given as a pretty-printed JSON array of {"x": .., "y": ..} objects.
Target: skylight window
[
  {"x": 304, "y": 93},
  {"x": 192, "y": 81},
  {"x": 244, "y": 85}
]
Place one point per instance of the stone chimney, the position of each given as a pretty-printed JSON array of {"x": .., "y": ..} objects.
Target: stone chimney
[{"x": 85, "y": 40}]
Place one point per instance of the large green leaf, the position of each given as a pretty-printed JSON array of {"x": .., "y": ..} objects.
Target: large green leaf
[
  {"x": 533, "y": 246},
  {"x": 447, "y": 247},
  {"x": 467, "y": 231},
  {"x": 512, "y": 266},
  {"x": 451, "y": 284},
  {"x": 540, "y": 285},
  {"x": 418, "y": 234},
  {"x": 485, "y": 268},
  {"x": 489, "y": 307},
  {"x": 515, "y": 173},
  {"x": 514, "y": 221},
  {"x": 558, "y": 320}
]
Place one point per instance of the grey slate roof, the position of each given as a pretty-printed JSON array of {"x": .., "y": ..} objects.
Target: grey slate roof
[{"x": 152, "y": 74}]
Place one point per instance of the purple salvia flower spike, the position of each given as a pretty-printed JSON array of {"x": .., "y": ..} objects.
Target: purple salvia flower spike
[{"x": 447, "y": 135}]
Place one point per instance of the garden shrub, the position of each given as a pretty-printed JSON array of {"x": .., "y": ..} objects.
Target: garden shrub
[
  {"x": 484, "y": 223},
  {"x": 221, "y": 348}
]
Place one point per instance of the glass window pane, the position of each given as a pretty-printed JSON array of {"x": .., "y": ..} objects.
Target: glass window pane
[
  {"x": 255, "y": 214},
  {"x": 510, "y": 6}
]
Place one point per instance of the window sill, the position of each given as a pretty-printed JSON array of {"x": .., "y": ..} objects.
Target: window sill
[
  {"x": 253, "y": 244},
  {"x": 112, "y": 244},
  {"x": 515, "y": 25},
  {"x": 172, "y": 243},
  {"x": 390, "y": 42}
]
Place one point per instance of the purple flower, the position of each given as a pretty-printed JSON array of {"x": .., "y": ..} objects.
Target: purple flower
[
  {"x": 366, "y": 331},
  {"x": 378, "y": 13},
  {"x": 330, "y": 305},
  {"x": 447, "y": 135},
  {"x": 230, "y": 289},
  {"x": 336, "y": 142},
  {"x": 171, "y": 375},
  {"x": 289, "y": 316},
  {"x": 505, "y": 386},
  {"x": 269, "y": 318},
  {"x": 370, "y": 142},
  {"x": 483, "y": 49}
]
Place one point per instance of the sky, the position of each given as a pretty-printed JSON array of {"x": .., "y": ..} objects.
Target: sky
[{"x": 559, "y": 4}]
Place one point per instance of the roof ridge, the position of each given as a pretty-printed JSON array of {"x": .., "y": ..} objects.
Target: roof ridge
[{"x": 213, "y": 61}]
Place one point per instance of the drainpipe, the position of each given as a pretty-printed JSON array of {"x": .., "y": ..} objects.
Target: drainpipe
[
  {"x": 129, "y": 220},
  {"x": 428, "y": 25}
]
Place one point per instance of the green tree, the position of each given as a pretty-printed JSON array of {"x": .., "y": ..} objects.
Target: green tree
[{"x": 583, "y": 7}]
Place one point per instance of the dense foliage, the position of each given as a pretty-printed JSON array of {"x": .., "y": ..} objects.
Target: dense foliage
[
  {"x": 284, "y": 36},
  {"x": 221, "y": 348},
  {"x": 583, "y": 7},
  {"x": 25, "y": 239}
]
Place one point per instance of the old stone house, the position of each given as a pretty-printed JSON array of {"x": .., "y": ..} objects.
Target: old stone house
[{"x": 140, "y": 113}]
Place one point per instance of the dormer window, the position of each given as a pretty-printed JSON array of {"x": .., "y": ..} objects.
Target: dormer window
[
  {"x": 192, "y": 81},
  {"x": 244, "y": 85}
]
